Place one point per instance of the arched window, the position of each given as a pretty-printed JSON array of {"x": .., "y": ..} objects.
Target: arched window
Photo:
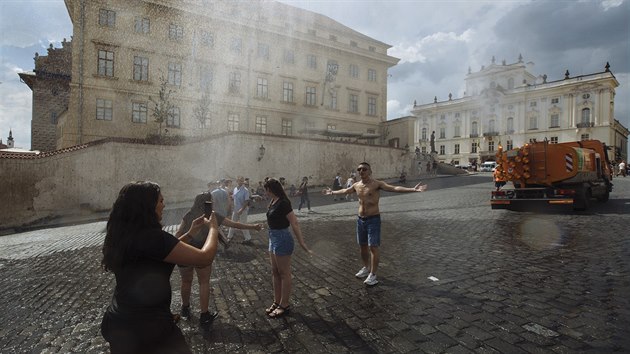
[
  {"x": 424, "y": 134},
  {"x": 510, "y": 125},
  {"x": 491, "y": 126},
  {"x": 586, "y": 115},
  {"x": 474, "y": 129}
]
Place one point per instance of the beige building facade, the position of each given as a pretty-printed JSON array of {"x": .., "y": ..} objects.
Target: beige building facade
[
  {"x": 506, "y": 104},
  {"x": 258, "y": 66}
]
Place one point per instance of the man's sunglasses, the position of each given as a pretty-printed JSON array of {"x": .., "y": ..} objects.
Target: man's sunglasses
[{"x": 360, "y": 169}]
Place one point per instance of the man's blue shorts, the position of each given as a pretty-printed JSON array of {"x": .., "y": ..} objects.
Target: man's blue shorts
[
  {"x": 369, "y": 230},
  {"x": 281, "y": 242}
]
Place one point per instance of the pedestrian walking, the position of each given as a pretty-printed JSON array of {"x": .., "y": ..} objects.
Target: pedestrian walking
[
  {"x": 369, "y": 218},
  {"x": 349, "y": 182},
  {"x": 336, "y": 184},
  {"x": 241, "y": 199},
  {"x": 303, "y": 192},
  {"x": 622, "y": 168},
  {"x": 280, "y": 217},
  {"x": 142, "y": 257},
  {"x": 203, "y": 273}
]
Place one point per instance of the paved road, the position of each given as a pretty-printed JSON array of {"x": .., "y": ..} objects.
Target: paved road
[{"x": 455, "y": 276}]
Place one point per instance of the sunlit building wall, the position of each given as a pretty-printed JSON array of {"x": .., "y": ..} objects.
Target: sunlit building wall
[
  {"x": 260, "y": 67},
  {"x": 506, "y": 104}
]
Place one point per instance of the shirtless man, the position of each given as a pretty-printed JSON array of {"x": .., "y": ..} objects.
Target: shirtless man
[{"x": 369, "y": 219}]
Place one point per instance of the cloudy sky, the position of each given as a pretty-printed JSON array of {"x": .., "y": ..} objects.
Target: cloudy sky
[{"x": 436, "y": 41}]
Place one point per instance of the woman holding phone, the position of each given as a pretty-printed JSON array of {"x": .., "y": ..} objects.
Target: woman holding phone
[{"x": 142, "y": 257}]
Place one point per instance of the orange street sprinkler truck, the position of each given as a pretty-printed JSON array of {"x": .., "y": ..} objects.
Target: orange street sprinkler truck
[{"x": 567, "y": 173}]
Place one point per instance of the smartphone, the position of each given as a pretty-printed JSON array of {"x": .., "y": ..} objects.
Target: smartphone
[{"x": 207, "y": 209}]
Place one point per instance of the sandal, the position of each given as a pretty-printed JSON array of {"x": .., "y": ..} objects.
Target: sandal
[
  {"x": 279, "y": 311},
  {"x": 271, "y": 308}
]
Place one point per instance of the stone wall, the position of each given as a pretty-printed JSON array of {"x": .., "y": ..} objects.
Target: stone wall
[{"x": 87, "y": 179}]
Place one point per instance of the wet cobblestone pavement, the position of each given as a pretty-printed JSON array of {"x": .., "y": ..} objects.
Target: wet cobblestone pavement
[{"x": 455, "y": 277}]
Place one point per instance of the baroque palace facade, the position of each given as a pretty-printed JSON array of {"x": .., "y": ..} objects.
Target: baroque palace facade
[
  {"x": 208, "y": 67},
  {"x": 506, "y": 104}
]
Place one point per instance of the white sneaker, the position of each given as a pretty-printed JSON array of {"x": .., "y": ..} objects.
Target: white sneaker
[
  {"x": 362, "y": 273},
  {"x": 370, "y": 280}
]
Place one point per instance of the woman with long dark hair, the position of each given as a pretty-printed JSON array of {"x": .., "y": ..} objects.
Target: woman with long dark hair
[
  {"x": 142, "y": 257},
  {"x": 279, "y": 217}
]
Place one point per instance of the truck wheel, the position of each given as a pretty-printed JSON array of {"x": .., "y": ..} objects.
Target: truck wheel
[
  {"x": 604, "y": 198},
  {"x": 582, "y": 198}
]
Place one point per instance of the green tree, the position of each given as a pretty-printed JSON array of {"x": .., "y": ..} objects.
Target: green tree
[
  {"x": 163, "y": 106},
  {"x": 201, "y": 111}
]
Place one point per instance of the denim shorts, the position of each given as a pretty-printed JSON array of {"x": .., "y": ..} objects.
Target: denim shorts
[
  {"x": 369, "y": 230},
  {"x": 281, "y": 242}
]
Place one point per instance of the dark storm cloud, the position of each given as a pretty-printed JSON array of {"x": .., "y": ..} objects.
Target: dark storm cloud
[{"x": 562, "y": 29}]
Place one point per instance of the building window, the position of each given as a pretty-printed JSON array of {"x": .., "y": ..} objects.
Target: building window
[
  {"x": 533, "y": 122},
  {"x": 371, "y": 108},
  {"x": 141, "y": 69},
  {"x": 263, "y": 51},
  {"x": 555, "y": 121},
  {"x": 142, "y": 25},
  {"x": 532, "y": 104},
  {"x": 105, "y": 63},
  {"x": 287, "y": 127},
  {"x": 424, "y": 149},
  {"x": 491, "y": 126},
  {"x": 333, "y": 99},
  {"x": 491, "y": 146},
  {"x": 371, "y": 75},
  {"x": 509, "y": 145},
  {"x": 584, "y": 137},
  {"x": 423, "y": 135},
  {"x": 139, "y": 112},
  {"x": 235, "y": 45},
  {"x": 586, "y": 115},
  {"x": 53, "y": 117},
  {"x": 289, "y": 56},
  {"x": 353, "y": 103},
  {"x": 586, "y": 96},
  {"x": 311, "y": 61},
  {"x": 107, "y": 18},
  {"x": 354, "y": 71},
  {"x": 510, "y": 125},
  {"x": 372, "y": 49},
  {"x": 207, "y": 39},
  {"x": 287, "y": 92},
  {"x": 457, "y": 130},
  {"x": 206, "y": 77},
  {"x": 442, "y": 132},
  {"x": 175, "y": 74},
  {"x": 235, "y": 82},
  {"x": 175, "y": 32},
  {"x": 442, "y": 150},
  {"x": 553, "y": 140},
  {"x": 456, "y": 149},
  {"x": 555, "y": 100},
  {"x": 232, "y": 122},
  {"x": 311, "y": 96},
  {"x": 510, "y": 83},
  {"x": 353, "y": 44},
  {"x": 261, "y": 88},
  {"x": 104, "y": 109},
  {"x": 173, "y": 117},
  {"x": 261, "y": 124},
  {"x": 332, "y": 37},
  {"x": 473, "y": 148},
  {"x": 475, "y": 129}
]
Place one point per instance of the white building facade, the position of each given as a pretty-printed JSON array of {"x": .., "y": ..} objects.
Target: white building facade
[{"x": 506, "y": 104}]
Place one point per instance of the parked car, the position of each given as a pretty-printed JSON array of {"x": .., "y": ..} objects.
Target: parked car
[
  {"x": 463, "y": 167},
  {"x": 488, "y": 166}
]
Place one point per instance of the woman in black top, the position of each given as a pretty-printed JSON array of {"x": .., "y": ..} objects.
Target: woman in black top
[
  {"x": 279, "y": 217},
  {"x": 142, "y": 257}
]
